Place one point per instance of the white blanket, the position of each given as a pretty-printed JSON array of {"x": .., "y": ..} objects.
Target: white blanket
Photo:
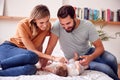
[{"x": 87, "y": 75}]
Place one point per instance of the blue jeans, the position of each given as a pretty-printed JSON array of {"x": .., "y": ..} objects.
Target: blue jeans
[
  {"x": 105, "y": 63},
  {"x": 16, "y": 61}
]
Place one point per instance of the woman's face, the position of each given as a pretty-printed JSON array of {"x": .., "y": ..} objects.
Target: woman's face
[{"x": 42, "y": 23}]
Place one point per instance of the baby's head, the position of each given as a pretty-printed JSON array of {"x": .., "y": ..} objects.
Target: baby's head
[{"x": 62, "y": 70}]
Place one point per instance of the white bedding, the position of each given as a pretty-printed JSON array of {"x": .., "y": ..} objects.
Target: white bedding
[{"x": 87, "y": 75}]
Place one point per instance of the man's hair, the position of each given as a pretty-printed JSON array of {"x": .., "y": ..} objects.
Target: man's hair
[
  {"x": 66, "y": 10},
  {"x": 62, "y": 71}
]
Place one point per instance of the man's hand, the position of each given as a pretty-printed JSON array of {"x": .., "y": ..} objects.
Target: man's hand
[{"x": 86, "y": 59}]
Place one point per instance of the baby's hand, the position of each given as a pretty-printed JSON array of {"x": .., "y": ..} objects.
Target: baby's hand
[{"x": 76, "y": 56}]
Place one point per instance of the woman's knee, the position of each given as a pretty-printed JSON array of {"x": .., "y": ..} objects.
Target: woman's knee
[
  {"x": 23, "y": 70},
  {"x": 29, "y": 69},
  {"x": 20, "y": 70}
]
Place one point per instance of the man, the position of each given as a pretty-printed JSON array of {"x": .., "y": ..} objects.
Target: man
[{"x": 74, "y": 36}]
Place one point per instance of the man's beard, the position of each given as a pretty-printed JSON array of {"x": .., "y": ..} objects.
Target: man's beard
[{"x": 74, "y": 24}]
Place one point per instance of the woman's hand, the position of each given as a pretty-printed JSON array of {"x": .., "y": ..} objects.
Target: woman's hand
[{"x": 43, "y": 62}]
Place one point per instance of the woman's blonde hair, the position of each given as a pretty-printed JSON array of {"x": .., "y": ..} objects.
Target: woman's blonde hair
[{"x": 38, "y": 12}]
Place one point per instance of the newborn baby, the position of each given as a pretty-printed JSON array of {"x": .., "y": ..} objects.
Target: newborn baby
[{"x": 72, "y": 68}]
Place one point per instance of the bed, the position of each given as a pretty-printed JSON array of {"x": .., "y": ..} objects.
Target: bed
[{"x": 42, "y": 75}]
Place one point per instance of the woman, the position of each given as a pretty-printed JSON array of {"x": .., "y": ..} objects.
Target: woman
[{"x": 19, "y": 55}]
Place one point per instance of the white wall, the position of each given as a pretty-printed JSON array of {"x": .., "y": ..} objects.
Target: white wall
[
  {"x": 24, "y": 7},
  {"x": 1, "y": 7},
  {"x": 7, "y": 29},
  {"x": 113, "y": 44}
]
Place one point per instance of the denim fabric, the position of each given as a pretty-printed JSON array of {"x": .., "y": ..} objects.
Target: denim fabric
[
  {"x": 20, "y": 70},
  {"x": 105, "y": 63},
  {"x": 16, "y": 61}
]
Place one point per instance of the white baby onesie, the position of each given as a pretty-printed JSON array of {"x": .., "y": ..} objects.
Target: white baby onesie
[{"x": 73, "y": 70}]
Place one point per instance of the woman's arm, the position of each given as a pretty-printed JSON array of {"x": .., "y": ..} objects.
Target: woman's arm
[
  {"x": 30, "y": 46},
  {"x": 51, "y": 44},
  {"x": 50, "y": 47}
]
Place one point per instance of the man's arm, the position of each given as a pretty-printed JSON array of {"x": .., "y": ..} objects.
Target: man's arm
[{"x": 99, "y": 49}]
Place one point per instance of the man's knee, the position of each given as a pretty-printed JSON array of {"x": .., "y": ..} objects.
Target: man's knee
[
  {"x": 100, "y": 67},
  {"x": 110, "y": 57}
]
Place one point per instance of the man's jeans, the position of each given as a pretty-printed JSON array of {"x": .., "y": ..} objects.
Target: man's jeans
[
  {"x": 16, "y": 61},
  {"x": 105, "y": 63}
]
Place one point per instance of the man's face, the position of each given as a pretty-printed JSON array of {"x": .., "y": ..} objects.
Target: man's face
[{"x": 67, "y": 23}]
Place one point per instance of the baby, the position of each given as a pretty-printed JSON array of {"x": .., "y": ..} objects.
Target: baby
[{"x": 72, "y": 68}]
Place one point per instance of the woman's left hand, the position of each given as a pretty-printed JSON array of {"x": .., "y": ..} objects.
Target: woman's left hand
[{"x": 43, "y": 62}]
